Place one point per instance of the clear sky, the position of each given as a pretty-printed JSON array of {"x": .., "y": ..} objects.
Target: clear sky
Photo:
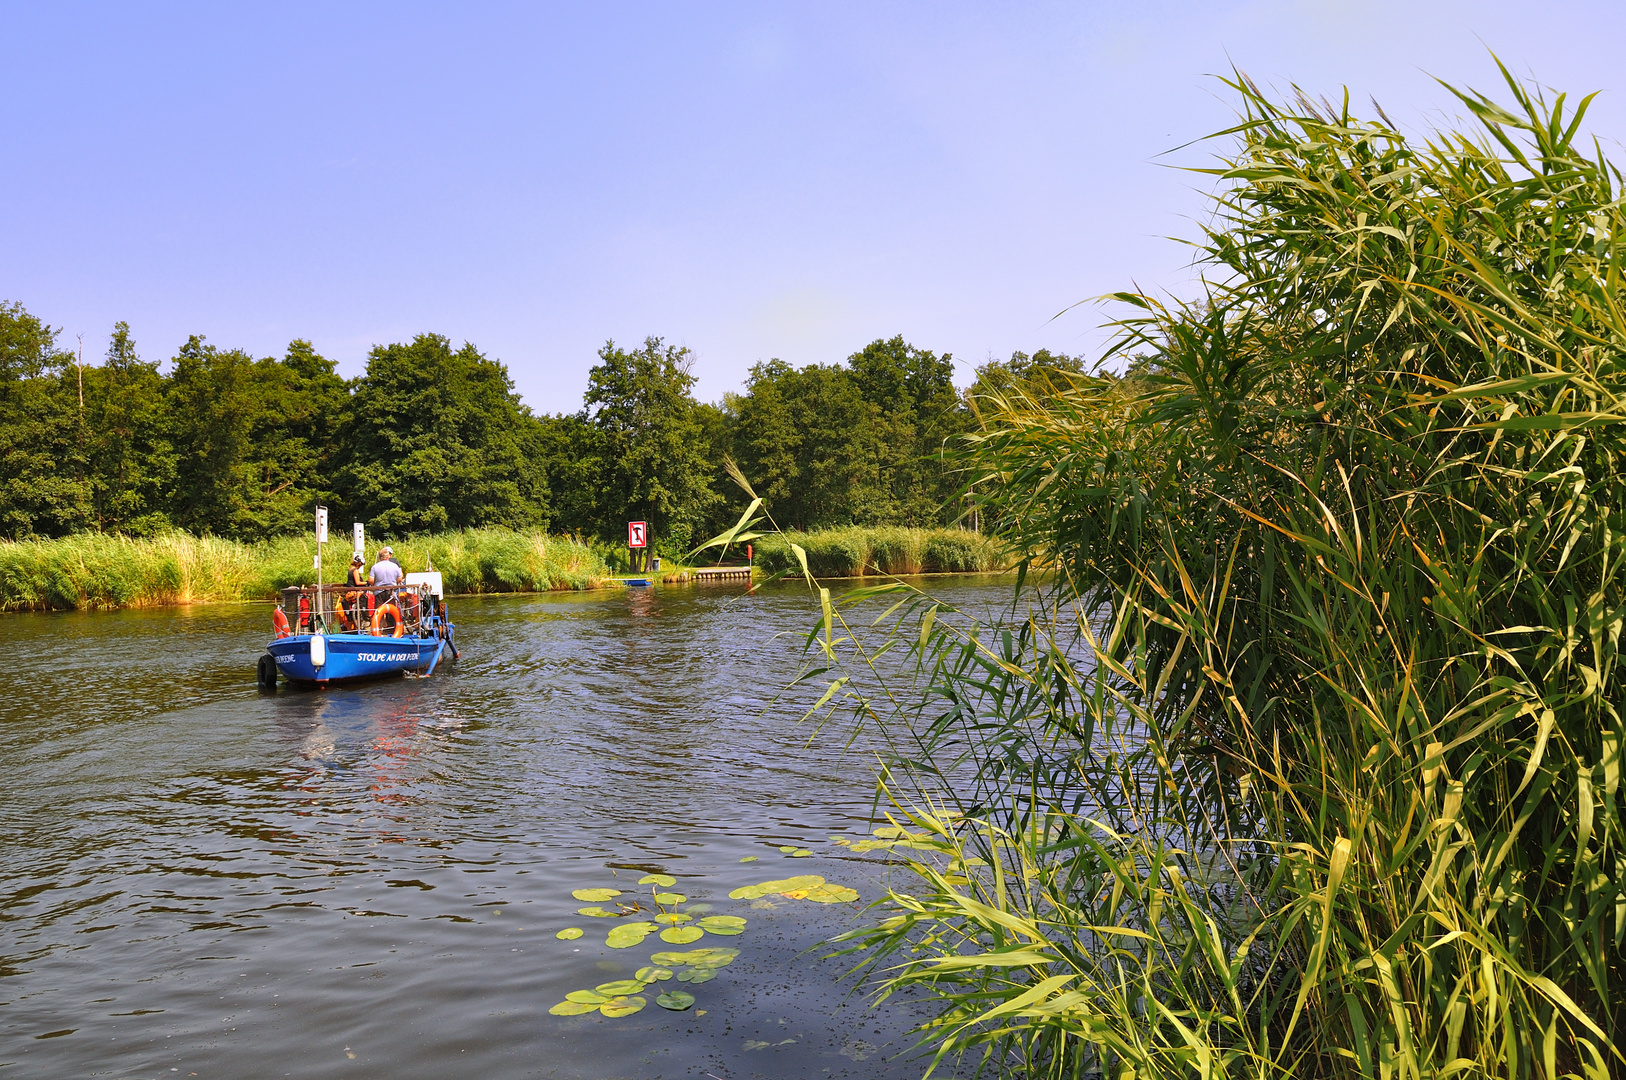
[{"x": 750, "y": 180}]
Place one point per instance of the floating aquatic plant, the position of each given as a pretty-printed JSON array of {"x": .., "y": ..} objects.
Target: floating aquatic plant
[
  {"x": 665, "y": 881},
  {"x": 676, "y": 1000},
  {"x": 596, "y": 895},
  {"x": 652, "y": 974},
  {"x": 670, "y": 898},
  {"x": 627, "y": 935},
  {"x": 682, "y": 935},
  {"x": 569, "y": 933},
  {"x": 599, "y": 913},
  {"x": 802, "y": 887},
  {"x": 619, "y": 987}
]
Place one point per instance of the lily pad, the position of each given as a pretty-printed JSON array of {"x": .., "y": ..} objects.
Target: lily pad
[
  {"x": 598, "y": 912},
  {"x": 670, "y": 898},
  {"x": 722, "y": 924},
  {"x": 682, "y": 935},
  {"x": 787, "y": 848},
  {"x": 715, "y": 957},
  {"x": 618, "y": 988},
  {"x": 596, "y": 895},
  {"x": 572, "y": 1008},
  {"x": 665, "y": 881},
  {"x": 749, "y": 858},
  {"x": 569, "y": 933},
  {"x": 588, "y": 997},
  {"x": 832, "y": 894},
  {"x": 627, "y": 935},
  {"x": 800, "y": 853},
  {"x": 673, "y": 918},
  {"x": 676, "y": 1000},
  {"x": 777, "y": 885},
  {"x": 622, "y": 1006},
  {"x": 697, "y": 975},
  {"x": 653, "y": 974}
]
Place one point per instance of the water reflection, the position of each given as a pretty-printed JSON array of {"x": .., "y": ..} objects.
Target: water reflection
[{"x": 199, "y": 878}]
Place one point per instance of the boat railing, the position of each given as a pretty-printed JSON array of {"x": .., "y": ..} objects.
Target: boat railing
[{"x": 362, "y": 609}]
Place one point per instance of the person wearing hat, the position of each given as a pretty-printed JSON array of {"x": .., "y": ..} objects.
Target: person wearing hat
[{"x": 386, "y": 571}]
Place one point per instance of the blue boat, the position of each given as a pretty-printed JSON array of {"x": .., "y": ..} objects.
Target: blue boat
[{"x": 341, "y": 633}]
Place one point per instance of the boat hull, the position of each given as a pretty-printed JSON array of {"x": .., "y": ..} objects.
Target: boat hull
[{"x": 352, "y": 656}]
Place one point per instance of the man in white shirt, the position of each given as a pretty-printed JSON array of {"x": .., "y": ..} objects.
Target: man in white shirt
[{"x": 386, "y": 571}]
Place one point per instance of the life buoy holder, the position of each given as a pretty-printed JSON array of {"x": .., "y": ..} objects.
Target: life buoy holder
[
  {"x": 395, "y": 615},
  {"x": 279, "y": 623}
]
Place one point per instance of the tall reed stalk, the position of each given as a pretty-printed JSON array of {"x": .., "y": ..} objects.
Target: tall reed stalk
[{"x": 1307, "y": 762}]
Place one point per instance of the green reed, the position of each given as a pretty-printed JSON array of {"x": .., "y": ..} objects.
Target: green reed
[
  {"x": 860, "y": 551},
  {"x": 1305, "y": 760},
  {"x": 95, "y": 570}
]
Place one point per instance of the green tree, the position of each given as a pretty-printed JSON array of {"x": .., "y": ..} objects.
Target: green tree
[
  {"x": 437, "y": 439},
  {"x": 570, "y": 452},
  {"x": 210, "y": 410},
  {"x": 810, "y": 443},
  {"x": 131, "y": 462},
  {"x": 652, "y": 441},
  {"x": 915, "y": 411},
  {"x": 1038, "y": 376},
  {"x": 298, "y": 404},
  {"x": 44, "y": 489}
]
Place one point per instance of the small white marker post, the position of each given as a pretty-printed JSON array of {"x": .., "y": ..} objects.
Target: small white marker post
[
  {"x": 321, "y": 538},
  {"x": 360, "y": 531}
]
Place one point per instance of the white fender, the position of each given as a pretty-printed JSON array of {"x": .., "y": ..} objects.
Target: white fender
[{"x": 318, "y": 650}]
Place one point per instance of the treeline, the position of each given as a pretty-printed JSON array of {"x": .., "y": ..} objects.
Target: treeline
[{"x": 433, "y": 438}]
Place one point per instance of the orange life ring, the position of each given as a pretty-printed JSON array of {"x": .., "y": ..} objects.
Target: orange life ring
[
  {"x": 394, "y": 613},
  {"x": 279, "y": 622}
]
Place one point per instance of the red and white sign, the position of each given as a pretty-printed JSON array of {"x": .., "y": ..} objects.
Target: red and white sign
[{"x": 637, "y": 534}]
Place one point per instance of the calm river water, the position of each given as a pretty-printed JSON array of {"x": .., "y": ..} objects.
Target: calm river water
[{"x": 198, "y": 880}]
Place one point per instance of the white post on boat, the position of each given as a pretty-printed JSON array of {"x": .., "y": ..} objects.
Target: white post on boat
[
  {"x": 321, "y": 538},
  {"x": 360, "y": 532}
]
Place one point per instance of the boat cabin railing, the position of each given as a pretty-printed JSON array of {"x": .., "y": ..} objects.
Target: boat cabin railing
[{"x": 362, "y": 609}]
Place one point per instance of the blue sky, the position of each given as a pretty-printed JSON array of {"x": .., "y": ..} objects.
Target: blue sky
[{"x": 749, "y": 180}]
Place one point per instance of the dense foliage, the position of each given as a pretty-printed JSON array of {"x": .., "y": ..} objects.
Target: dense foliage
[
  {"x": 1309, "y": 764},
  {"x": 221, "y": 443}
]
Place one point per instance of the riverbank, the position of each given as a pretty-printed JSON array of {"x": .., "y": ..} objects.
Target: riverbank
[
  {"x": 102, "y": 571},
  {"x": 95, "y": 570}
]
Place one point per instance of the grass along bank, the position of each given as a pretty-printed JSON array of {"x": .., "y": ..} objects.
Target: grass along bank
[
  {"x": 859, "y": 551},
  {"x": 96, "y": 570}
]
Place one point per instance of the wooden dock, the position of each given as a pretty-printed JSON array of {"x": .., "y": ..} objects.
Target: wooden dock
[{"x": 722, "y": 573}]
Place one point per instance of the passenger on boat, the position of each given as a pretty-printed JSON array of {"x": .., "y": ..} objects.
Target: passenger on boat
[
  {"x": 352, "y": 600},
  {"x": 386, "y": 571}
]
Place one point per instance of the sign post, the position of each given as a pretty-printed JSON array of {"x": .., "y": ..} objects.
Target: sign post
[
  {"x": 360, "y": 532},
  {"x": 321, "y": 538},
  {"x": 637, "y": 541}
]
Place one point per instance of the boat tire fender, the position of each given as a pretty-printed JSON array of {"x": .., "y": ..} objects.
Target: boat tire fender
[
  {"x": 395, "y": 616},
  {"x": 265, "y": 673}
]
